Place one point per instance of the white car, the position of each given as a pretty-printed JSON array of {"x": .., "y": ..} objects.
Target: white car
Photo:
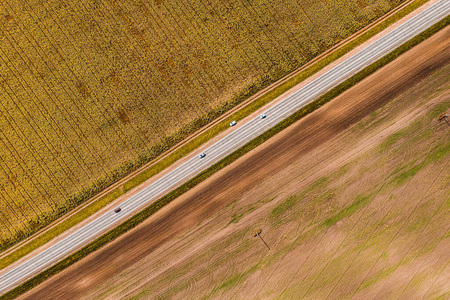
[
  {"x": 202, "y": 155},
  {"x": 263, "y": 116},
  {"x": 233, "y": 123}
]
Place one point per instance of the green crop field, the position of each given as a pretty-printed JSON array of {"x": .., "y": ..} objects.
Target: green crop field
[{"x": 90, "y": 90}]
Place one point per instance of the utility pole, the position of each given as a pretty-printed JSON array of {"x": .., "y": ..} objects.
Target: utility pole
[
  {"x": 444, "y": 117},
  {"x": 256, "y": 233}
]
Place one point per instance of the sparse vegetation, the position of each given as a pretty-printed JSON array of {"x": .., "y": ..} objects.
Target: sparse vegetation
[
  {"x": 284, "y": 206},
  {"x": 237, "y": 216},
  {"x": 391, "y": 140},
  {"x": 406, "y": 174},
  {"x": 359, "y": 202}
]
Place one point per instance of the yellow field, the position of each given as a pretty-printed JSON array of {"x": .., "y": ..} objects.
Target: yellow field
[{"x": 92, "y": 89}]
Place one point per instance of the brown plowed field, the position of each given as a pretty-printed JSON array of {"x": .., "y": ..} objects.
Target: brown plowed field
[{"x": 321, "y": 190}]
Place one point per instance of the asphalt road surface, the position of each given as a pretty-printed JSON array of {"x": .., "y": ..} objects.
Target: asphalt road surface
[{"x": 240, "y": 135}]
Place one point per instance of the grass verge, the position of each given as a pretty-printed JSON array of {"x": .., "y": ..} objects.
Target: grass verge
[
  {"x": 203, "y": 138},
  {"x": 140, "y": 217}
]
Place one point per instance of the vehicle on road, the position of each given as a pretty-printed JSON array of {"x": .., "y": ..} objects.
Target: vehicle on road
[
  {"x": 263, "y": 116},
  {"x": 233, "y": 123},
  {"x": 202, "y": 155},
  {"x": 117, "y": 210}
]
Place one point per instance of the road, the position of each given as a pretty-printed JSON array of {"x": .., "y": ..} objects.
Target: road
[{"x": 239, "y": 136}]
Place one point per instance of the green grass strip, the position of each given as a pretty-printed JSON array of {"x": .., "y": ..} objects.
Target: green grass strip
[
  {"x": 209, "y": 134},
  {"x": 60, "y": 228},
  {"x": 143, "y": 215}
]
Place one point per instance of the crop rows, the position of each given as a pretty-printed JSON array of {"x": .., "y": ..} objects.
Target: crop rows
[{"x": 90, "y": 90}]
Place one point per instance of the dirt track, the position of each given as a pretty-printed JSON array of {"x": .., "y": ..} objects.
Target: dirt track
[{"x": 232, "y": 182}]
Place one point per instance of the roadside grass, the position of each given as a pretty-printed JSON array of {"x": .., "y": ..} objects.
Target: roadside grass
[
  {"x": 58, "y": 229},
  {"x": 212, "y": 132},
  {"x": 135, "y": 220}
]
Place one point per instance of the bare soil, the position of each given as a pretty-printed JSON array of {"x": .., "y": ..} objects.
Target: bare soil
[{"x": 345, "y": 153}]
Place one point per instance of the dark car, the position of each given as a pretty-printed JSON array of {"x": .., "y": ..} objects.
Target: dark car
[{"x": 117, "y": 210}]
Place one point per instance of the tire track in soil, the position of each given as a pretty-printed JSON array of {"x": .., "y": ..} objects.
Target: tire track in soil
[
  {"x": 299, "y": 230},
  {"x": 263, "y": 282},
  {"x": 213, "y": 274},
  {"x": 427, "y": 295},
  {"x": 306, "y": 242},
  {"x": 175, "y": 280},
  {"x": 351, "y": 233},
  {"x": 392, "y": 239},
  {"x": 408, "y": 288},
  {"x": 413, "y": 293},
  {"x": 389, "y": 210},
  {"x": 419, "y": 236},
  {"x": 319, "y": 259},
  {"x": 191, "y": 288},
  {"x": 422, "y": 130},
  {"x": 231, "y": 265}
]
